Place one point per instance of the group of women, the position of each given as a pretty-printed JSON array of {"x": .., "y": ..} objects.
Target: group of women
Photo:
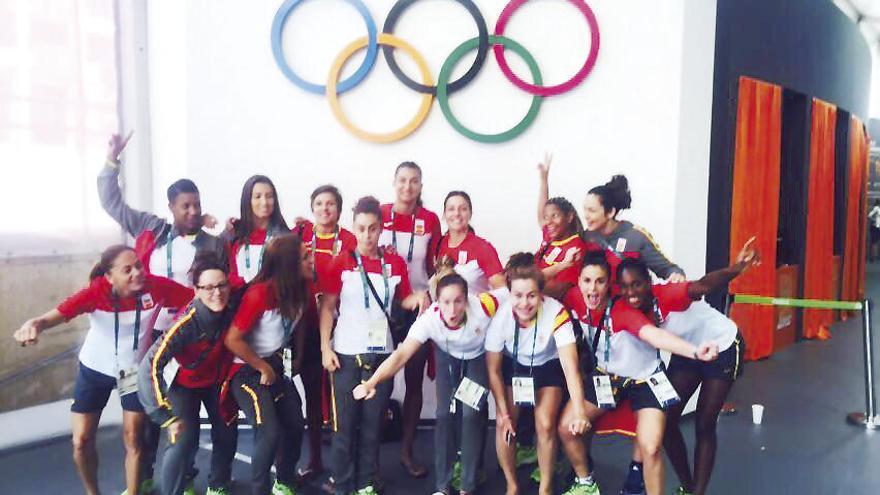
[{"x": 564, "y": 335}]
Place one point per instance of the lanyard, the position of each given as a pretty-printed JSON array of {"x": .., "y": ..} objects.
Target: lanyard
[
  {"x": 287, "y": 324},
  {"x": 516, "y": 342},
  {"x": 247, "y": 251},
  {"x": 168, "y": 239},
  {"x": 333, "y": 250},
  {"x": 137, "y": 323},
  {"x": 412, "y": 236},
  {"x": 357, "y": 256},
  {"x": 461, "y": 360},
  {"x": 605, "y": 326}
]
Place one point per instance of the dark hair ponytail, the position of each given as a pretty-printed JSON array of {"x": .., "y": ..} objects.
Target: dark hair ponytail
[
  {"x": 369, "y": 205},
  {"x": 109, "y": 255},
  {"x": 634, "y": 265},
  {"x": 522, "y": 266},
  {"x": 247, "y": 222},
  {"x": 574, "y": 226},
  {"x": 614, "y": 194},
  {"x": 597, "y": 258},
  {"x": 282, "y": 266},
  {"x": 204, "y": 261}
]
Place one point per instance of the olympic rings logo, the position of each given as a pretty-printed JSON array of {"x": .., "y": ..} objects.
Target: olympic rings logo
[{"x": 444, "y": 87}]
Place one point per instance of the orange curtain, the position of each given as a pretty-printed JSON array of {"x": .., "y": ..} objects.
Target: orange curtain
[
  {"x": 755, "y": 206},
  {"x": 854, "y": 250},
  {"x": 818, "y": 267}
]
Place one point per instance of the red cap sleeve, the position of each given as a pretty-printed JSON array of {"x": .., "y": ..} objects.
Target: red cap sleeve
[
  {"x": 84, "y": 301},
  {"x": 487, "y": 259},
  {"x": 332, "y": 282},
  {"x": 173, "y": 294},
  {"x": 253, "y": 305},
  {"x": 574, "y": 301},
  {"x": 235, "y": 279},
  {"x": 625, "y": 318},
  {"x": 398, "y": 267},
  {"x": 672, "y": 297}
]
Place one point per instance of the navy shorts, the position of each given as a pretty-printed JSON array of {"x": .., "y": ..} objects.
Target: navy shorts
[
  {"x": 728, "y": 366},
  {"x": 548, "y": 374},
  {"x": 639, "y": 393},
  {"x": 92, "y": 390}
]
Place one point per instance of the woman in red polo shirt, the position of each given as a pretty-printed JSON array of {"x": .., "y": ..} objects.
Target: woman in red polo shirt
[
  {"x": 475, "y": 258},
  {"x": 260, "y": 220},
  {"x": 325, "y": 240},
  {"x": 412, "y": 231},
  {"x": 561, "y": 243}
]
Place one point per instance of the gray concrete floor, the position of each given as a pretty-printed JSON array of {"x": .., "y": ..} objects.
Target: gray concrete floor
[{"x": 804, "y": 446}]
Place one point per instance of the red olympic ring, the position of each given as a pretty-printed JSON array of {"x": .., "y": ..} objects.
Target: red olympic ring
[{"x": 559, "y": 88}]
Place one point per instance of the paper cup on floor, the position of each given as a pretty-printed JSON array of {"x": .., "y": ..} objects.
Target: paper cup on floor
[{"x": 757, "y": 413}]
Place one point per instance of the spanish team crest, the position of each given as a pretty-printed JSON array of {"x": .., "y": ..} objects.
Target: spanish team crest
[
  {"x": 419, "y": 228},
  {"x": 147, "y": 301}
]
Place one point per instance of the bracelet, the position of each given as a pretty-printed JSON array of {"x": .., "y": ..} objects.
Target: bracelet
[{"x": 112, "y": 164}]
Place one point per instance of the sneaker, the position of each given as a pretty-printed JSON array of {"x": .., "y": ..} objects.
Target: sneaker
[
  {"x": 536, "y": 474},
  {"x": 682, "y": 491},
  {"x": 456, "y": 475},
  {"x": 526, "y": 455},
  {"x": 591, "y": 488},
  {"x": 190, "y": 488},
  {"x": 147, "y": 487},
  {"x": 367, "y": 490},
  {"x": 280, "y": 488},
  {"x": 217, "y": 491}
]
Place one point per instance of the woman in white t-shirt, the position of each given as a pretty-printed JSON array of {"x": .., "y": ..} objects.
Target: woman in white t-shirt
[
  {"x": 456, "y": 324},
  {"x": 540, "y": 362}
]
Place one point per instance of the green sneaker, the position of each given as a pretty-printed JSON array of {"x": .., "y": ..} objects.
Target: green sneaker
[
  {"x": 190, "y": 489},
  {"x": 217, "y": 491},
  {"x": 367, "y": 490},
  {"x": 147, "y": 487},
  {"x": 591, "y": 488},
  {"x": 526, "y": 455},
  {"x": 456, "y": 475},
  {"x": 280, "y": 488},
  {"x": 682, "y": 491},
  {"x": 536, "y": 475}
]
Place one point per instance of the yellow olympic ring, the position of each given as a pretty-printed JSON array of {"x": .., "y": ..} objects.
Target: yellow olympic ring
[{"x": 412, "y": 125}]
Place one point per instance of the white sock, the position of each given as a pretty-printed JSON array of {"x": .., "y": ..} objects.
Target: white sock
[{"x": 587, "y": 480}]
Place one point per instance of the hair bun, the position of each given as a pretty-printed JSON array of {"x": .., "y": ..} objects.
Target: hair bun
[
  {"x": 520, "y": 260},
  {"x": 619, "y": 188}
]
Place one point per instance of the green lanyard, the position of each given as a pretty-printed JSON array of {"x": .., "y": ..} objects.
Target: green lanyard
[
  {"x": 461, "y": 360},
  {"x": 137, "y": 324},
  {"x": 516, "y": 342},
  {"x": 168, "y": 240},
  {"x": 607, "y": 321},
  {"x": 357, "y": 256},
  {"x": 247, "y": 251},
  {"x": 333, "y": 250},
  {"x": 605, "y": 326},
  {"x": 412, "y": 237}
]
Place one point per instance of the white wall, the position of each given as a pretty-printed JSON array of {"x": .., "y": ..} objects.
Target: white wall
[{"x": 221, "y": 110}]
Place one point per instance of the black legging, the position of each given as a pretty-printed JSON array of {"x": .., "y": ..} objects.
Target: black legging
[{"x": 712, "y": 396}]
